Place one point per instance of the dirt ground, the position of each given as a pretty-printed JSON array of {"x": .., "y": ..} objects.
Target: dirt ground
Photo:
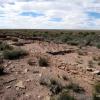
[{"x": 22, "y": 80}]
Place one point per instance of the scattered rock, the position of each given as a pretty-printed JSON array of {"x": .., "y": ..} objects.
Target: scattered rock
[
  {"x": 26, "y": 70},
  {"x": 74, "y": 72},
  {"x": 7, "y": 87},
  {"x": 28, "y": 80},
  {"x": 20, "y": 85},
  {"x": 97, "y": 72},
  {"x": 89, "y": 69},
  {"x": 60, "y": 52},
  {"x": 39, "y": 96}
]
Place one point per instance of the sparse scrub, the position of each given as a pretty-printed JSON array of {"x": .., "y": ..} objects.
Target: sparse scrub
[
  {"x": 75, "y": 87},
  {"x": 45, "y": 81},
  {"x": 14, "y": 54},
  {"x": 5, "y": 46},
  {"x": 43, "y": 62},
  {"x": 14, "y": 39},
  {"x": 54, "y": 85},
  {"x": 65, "y": 78},
  {"x": 97, "y": 87},
  {"x": 98, "y": 46},
  {"x": 96, "y": 95},
  {"x": 64, "y": 95},
  {"x": 91, "y": 64},
  {"x": 18, "y": 44}
]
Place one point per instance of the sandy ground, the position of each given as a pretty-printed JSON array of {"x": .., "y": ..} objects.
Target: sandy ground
[{"x": 22, "y": 80}]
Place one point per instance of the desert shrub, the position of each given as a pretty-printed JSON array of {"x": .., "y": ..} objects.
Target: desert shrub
[
  {"x": 15, "y": 39},
  {"x": 96, "y": 95},
  {"x": 18, "y": 44},
  {"x": 90, "y": 63},
  {"x": 14, "y": 54},
  {"x": 98, "y": 46},
  {"x": 45, "y": 81},
  {"x": 5, "y": 46},
  {"x": 75, "y": 87},
  {"x": 82, "y": 53},
  {"x": 55, "y": 86},
  {"x": 97, "y": 87},
  {"x": 43, "y": 62},
  {"x": 64, "y": 95},
  {"x": 65, "y": 78},
  {"x": 73, "y": 42}
]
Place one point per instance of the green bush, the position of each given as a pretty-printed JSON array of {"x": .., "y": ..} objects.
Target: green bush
[
  {"x": 43, "y": 62},
  {"x": 14, "y": 54}
]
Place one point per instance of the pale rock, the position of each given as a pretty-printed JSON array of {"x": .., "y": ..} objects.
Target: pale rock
[
  {"x": 96, "y": 72},
  {"x": 40, "y": 75},
  {"x": 20, "y": 85},
  {"x": 26, "y": 70},
  {"x": 7, "y": 87}
]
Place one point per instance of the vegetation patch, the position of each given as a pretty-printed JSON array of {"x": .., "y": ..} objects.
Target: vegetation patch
[
  {"x": 98, "y": 46},
  {"x": 54, "y": 85},
  {"x": 5, "y": 46},
  {"x": 96, "y": 95},
  {"x": 14, "y": 54},
  {"x": 75, "y": 87},
  {"x": 91, "y": 64},
  {"x": 64, "y": 95},
  {"x": 43, "y": 62}
]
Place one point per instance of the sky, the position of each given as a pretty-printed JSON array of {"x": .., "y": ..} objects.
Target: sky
[{"x": 50, "y": 14}]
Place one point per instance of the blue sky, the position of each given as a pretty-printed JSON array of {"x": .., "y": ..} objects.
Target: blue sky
[
  {"x": 93, "y": 14},
  {"x": 50, "y": 14},
  {"x": 31, "y": 13}
]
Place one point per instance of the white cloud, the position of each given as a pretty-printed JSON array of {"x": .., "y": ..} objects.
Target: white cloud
[{"x": 73, "y": 14}]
